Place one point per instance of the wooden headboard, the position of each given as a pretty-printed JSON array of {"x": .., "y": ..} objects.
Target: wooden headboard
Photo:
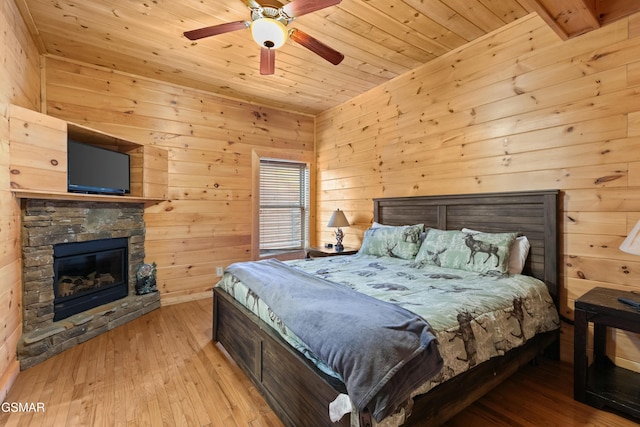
[{"x": 531, "y": 213}]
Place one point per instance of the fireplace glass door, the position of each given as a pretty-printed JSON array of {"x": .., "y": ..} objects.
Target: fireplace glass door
[{"x": 89, "y": 274}]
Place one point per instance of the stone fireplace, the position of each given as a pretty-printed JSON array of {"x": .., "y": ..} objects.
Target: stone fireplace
[{"x": 49, "y": 231}]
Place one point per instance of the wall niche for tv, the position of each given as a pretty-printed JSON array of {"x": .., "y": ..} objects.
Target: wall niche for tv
[{"x": 38, "y": 159}]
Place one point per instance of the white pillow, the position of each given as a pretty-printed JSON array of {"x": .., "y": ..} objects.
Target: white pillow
[{"x": 517, "y": 253}]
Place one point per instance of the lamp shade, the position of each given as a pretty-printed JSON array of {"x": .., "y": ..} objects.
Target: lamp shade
[
  {"x": 338, "y": 219},
  {"x": 269, "y": 33},
  {"x": 632, "y": 243}
]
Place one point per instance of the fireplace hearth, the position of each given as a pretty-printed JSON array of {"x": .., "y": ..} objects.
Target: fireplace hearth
[{"x": 79, "y": 262}]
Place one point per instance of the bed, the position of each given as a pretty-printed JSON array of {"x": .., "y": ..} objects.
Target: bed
[{"x": 299, "y": 391}]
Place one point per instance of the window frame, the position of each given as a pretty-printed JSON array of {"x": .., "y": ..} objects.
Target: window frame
[
  {"x": 284, "y": 208},
  {"x": 299, "y": 156}
]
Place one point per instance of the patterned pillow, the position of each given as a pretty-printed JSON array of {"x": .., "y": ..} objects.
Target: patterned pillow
[
  {"x": 517, "y": 254},
  {"x": 479, "y": 252},
  {"x": 399, "y": 242}
]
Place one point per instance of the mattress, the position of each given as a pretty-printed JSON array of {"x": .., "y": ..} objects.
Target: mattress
[{"x": 475, "y": 316}]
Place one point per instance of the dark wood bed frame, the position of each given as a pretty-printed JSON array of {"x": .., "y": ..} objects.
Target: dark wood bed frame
[{"x": 300, "y": 394}]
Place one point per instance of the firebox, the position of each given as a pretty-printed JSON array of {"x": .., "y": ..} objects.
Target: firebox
[{"x": 88, "y": 274}]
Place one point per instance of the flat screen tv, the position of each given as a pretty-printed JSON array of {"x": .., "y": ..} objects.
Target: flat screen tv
[{"x": 97, "y": 170}]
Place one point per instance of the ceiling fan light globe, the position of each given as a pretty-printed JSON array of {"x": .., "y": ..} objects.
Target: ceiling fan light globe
[{"x": 269, "y": 33}]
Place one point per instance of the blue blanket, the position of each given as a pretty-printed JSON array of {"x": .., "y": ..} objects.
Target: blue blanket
[{"x": 382, "y": 351}]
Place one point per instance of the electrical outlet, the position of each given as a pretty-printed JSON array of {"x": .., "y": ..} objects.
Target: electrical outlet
[{"x": 219, "y": 271}]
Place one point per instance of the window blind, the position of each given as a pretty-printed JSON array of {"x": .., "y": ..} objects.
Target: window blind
[{"x": 284, "y": 205}]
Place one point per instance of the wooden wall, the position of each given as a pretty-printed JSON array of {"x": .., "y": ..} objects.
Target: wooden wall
[
  {"x": 516, "y": 110},
  {"x": 207, "y": 222},
  {"x": 19, "y": 84}
]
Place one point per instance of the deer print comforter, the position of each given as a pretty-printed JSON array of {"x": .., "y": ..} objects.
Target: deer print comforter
[{"x": 475, "y": 316}]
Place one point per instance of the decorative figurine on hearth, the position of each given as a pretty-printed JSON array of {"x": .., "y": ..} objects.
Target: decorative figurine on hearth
[{"x": 146, "y": 279}]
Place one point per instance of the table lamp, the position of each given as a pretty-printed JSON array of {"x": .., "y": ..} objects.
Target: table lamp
[
  {"x": 338, "y": 220},
  {"x": 632, "y": 243}
]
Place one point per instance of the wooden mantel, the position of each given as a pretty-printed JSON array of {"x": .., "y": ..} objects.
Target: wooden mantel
[{"x": 48, "y": 195}]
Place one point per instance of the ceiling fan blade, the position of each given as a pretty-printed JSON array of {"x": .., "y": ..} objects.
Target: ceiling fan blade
[
  {"x": 301, "y": 7},
  {"x": 216, "y": 29},
  {"x": 316, "y": 46},
  {"x": 252, "y": 4},
  {"x": 267, "y": 61}
]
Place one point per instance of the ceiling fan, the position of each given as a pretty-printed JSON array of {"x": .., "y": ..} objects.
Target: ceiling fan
[{"x": 269, "y": 29}]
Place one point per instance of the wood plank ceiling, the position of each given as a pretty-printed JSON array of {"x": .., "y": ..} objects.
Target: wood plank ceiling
[{"x": 380, "y": 39}]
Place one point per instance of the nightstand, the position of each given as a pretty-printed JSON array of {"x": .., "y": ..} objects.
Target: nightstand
[
  {"x": 321, "y": 251},
  {"x": 603, "y": 383}
]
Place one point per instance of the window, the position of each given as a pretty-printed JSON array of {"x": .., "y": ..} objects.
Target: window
[{"x": 284, "y": 206}]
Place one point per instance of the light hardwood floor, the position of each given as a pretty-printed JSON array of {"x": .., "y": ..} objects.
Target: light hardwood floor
[{"x": 163, "y": 369}]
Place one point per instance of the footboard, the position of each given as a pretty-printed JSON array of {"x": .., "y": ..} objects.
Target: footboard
[
  {"x": 292, "y": 386},
  {"x": 300, "y": 394}
]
